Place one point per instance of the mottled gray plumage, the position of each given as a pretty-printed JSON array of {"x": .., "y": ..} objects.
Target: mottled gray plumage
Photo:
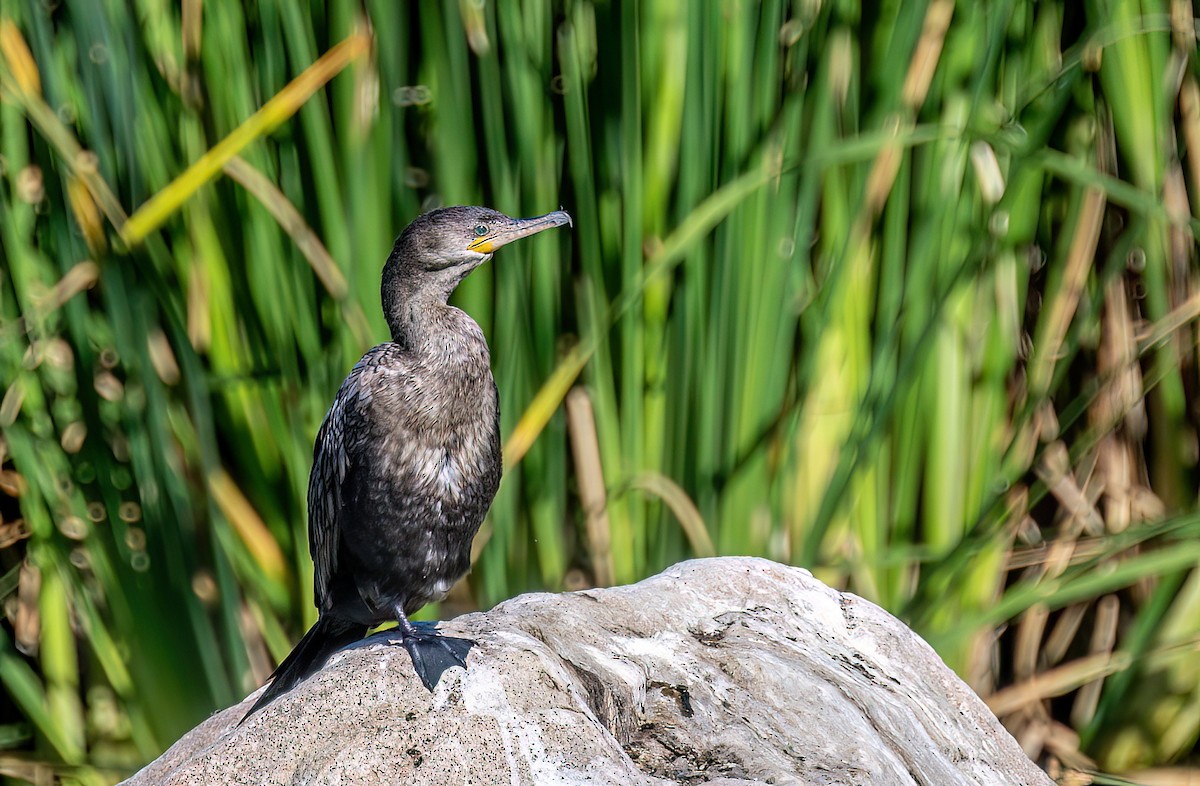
[{"x": 407, "y": 460}]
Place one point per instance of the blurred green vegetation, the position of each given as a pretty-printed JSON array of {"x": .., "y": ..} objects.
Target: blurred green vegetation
[{"x": 905, "y": 293}]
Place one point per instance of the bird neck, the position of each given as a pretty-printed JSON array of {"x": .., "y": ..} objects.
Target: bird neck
[
  {"x": 411, "y": 319},
  {"x": 416, "y": 310}
]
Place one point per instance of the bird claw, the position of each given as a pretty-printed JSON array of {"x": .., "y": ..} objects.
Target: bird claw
[{"x": 432, "y": 653}]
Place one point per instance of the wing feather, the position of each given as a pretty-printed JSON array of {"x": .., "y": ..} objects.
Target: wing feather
[{"x": 333, "y": 461}]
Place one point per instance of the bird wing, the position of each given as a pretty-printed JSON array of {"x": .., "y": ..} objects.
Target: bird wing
[
  {"x": 333, "y": 460},
  {"x": 330, "y": 462}
]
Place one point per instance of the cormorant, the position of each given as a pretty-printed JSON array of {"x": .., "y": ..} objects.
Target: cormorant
[{"x": 407, "y": 460}]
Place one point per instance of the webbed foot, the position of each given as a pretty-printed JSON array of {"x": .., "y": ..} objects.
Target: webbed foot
[{"x": 431, "y": 652}]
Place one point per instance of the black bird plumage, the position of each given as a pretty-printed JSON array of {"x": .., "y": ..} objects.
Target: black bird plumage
[{"x": 407, "y": 460}]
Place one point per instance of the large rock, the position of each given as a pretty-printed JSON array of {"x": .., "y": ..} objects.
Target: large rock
[{"x": 719, "y": 671}]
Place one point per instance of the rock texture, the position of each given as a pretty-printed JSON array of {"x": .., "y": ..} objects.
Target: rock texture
[{"x": 720, "y": 671}]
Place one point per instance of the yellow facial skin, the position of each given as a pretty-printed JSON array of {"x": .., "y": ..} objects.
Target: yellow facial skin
[{"x": 482, "y": 245}]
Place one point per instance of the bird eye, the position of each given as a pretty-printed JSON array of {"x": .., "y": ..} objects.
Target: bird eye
[{"x": 481, "y": 230}]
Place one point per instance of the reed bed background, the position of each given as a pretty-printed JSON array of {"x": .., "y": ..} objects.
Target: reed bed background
[{"x": 905, "y": 293}]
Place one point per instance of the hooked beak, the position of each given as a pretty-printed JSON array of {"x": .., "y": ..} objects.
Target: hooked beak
[{"x": 516, "y": 229}]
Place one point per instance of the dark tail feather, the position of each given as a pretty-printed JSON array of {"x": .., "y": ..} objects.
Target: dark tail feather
[{"x": 326, "y": 637}]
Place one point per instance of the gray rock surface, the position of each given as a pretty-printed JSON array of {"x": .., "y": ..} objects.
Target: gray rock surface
[{"x": 718, "y": 671}]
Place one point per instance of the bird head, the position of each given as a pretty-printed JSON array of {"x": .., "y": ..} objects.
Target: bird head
[
  {"x": 438, "y": 249},
  {"x": 458, "y": 239}
]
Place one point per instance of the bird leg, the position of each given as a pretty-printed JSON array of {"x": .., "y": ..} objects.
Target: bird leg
[{"x": 431, "y": 652}]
